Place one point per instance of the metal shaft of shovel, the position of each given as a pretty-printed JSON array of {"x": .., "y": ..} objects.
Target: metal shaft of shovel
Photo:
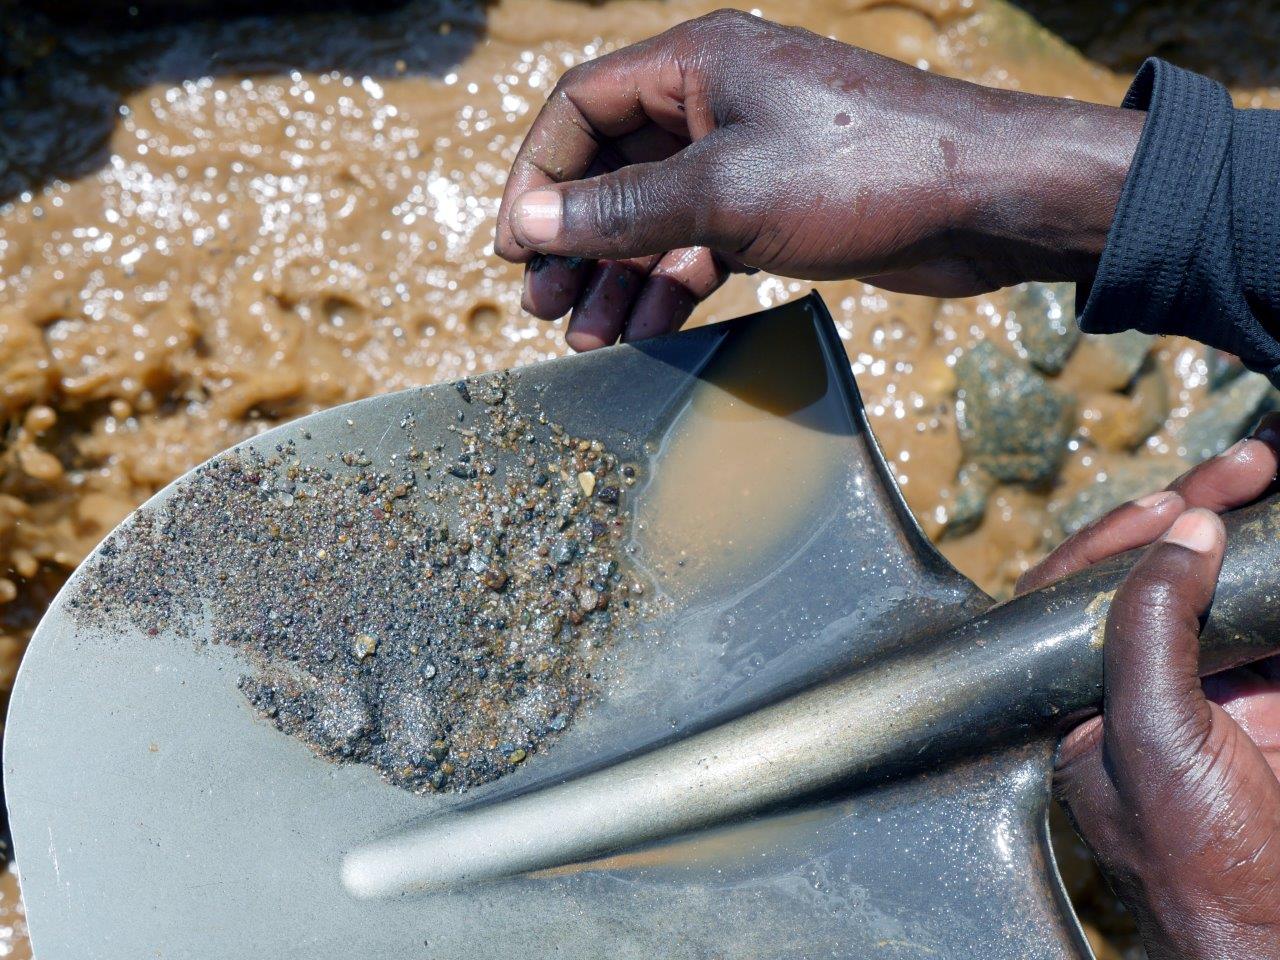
[{"x": 1022, "y": 669}]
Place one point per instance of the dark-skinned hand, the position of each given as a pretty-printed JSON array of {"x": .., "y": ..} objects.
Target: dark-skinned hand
[
  {"x": 1174, "y": 788},
  {"x": 730, "y": 142}
]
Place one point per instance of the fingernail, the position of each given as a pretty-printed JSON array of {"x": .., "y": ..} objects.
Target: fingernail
[
  {"x": 1237, "y": 450},
  {"x": 1153, "y": 500},
  {"x": 537, "y": 216},
  {"x": 1196, "y": 530}
]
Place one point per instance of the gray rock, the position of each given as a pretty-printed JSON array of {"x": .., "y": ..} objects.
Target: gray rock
[
  {"x": 1123, "y": 353},
  {"x": 563, "y": 551},
  {"x": 1225, "y": 418},
  {"x": 1012, "y": 423},
  {"x": 1125, "y": 479},
  {"x": 1043, "y": 317},
  {"x": 969, "y": 505},
  {"x": 1223, "y": 368}
]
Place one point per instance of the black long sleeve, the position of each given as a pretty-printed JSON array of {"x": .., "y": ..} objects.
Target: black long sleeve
[{"x": 1194, "y": 248}]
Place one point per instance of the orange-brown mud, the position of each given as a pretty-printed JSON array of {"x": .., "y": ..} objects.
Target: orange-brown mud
[
  {"x": 754, "y": 442},
  {"x": 13, "y": 924},
  {"x": 211, "y": 228}
]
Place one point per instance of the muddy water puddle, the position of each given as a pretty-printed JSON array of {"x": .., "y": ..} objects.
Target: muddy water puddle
[
  {"x": 208, "y": 228},
  {"x": 750, "y": 460}
]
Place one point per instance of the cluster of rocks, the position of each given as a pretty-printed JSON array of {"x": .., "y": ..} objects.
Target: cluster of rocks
[{"x": 1017, "y": 424}]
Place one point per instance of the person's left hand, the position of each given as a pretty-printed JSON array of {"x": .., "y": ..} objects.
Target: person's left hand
[
  {"x": 729, "y": 142},
  {"x": 1175, "y": 787}
]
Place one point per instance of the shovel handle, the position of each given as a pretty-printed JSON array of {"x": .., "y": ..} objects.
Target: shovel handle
[
  {"x": 1242, "y": 625},
  {"x": 1033, "y": 666}
]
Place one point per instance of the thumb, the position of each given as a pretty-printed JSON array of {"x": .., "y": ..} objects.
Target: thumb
[
  {"x": 1155, "y": 715},
  {"x": 635, "y": 211}
]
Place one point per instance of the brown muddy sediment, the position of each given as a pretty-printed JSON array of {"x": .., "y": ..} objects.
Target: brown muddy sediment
[{"x": 213, "y": 227}]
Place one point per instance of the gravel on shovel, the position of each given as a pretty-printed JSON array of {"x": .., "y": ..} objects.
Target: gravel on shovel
[{"x": 437, "y": 616}]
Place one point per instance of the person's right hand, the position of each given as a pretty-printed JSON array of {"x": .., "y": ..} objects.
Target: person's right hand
[
  {"x": 1175, "y": 787},
  {"x": 783, "y": 150}
]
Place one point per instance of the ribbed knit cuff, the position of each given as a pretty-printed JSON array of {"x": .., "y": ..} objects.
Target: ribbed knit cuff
[
  {"x": 1255, "y": 214},
  {"x": 1176, "y": 169}
]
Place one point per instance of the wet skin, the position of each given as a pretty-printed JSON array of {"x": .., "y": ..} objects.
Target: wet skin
[
  {"x": 1175, "y": 787},
  {"x": 730, "y": 142},
  {"x": 733, "y": 143}
]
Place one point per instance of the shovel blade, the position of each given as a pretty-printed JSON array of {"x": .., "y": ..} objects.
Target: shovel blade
[{"x": 154, "y": 813}]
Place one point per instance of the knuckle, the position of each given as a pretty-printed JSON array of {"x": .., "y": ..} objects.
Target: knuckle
[
  {"x": 1161, "y": 584},
  {"x": 715, "y": 26},
  {"x": 571, "y": 79},
  {"x": 1095, "y": 527},
  {"x": 1144, "y": 604},
  {"x": 725, "y": 16},
  {"x": 1165, "y": 753},
  {"x": 1179, "y": 737},
  {"x": 1157, "y": 610},
  {"x": 615, "y": 206},
  {"x": 1029, "y": 577}
]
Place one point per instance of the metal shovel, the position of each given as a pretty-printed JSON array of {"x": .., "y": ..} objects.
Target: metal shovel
[{"x": 833, "y": 745}]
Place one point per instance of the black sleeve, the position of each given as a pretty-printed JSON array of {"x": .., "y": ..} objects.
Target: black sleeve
[{"x": 1195, "y": 245}]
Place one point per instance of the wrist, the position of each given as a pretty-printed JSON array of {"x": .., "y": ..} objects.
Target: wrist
[{"x": 1043, "y": 189}]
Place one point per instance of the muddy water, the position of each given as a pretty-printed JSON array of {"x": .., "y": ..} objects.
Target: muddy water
[
  {"x": 744, "y": 464},
  {"x": 214, "y": 227}
]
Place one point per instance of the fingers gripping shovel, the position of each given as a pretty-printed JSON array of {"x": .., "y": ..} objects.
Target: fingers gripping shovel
[{"x": 826, "y": 743}]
